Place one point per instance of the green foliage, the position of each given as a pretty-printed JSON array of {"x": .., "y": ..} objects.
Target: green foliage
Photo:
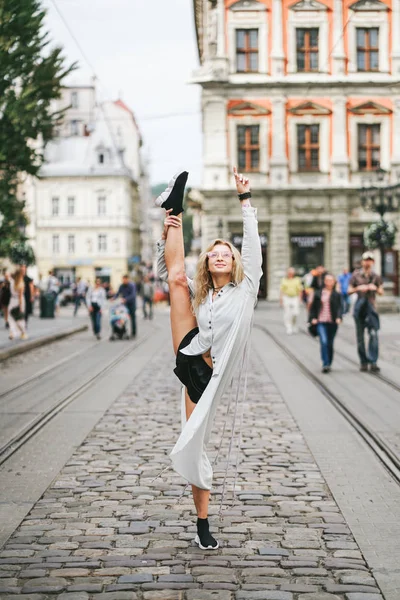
[
  {"x": 21, "y": 254},
  {"x": 31, "y": 77},
  {"x": 381, "y": 234}
]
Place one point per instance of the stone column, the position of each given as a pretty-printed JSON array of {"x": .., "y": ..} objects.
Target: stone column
[
  {"x": 338, "y": 54},
  {"x": 278, "y": 246},
  {"x": 215, "y": 135},
  {"x": 339, "y": 234},
  {"x": 340, "y": 158},
  {"x": 279, "y": 161},
  {"x": 277, "y": 53},
  {"x": 395, "y": 166},
  {"x": 221, "y": 29},
  {"x": 395, "y": 36}
]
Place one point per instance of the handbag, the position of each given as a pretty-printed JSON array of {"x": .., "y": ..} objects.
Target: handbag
[
  {"x": 16, "y": 313},
  {"x": 312, "y": 330}
]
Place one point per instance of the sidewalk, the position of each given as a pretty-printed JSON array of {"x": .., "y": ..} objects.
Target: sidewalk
[
  {"x": 105, "y": 529},
  {"x": 40, "y": 330}
]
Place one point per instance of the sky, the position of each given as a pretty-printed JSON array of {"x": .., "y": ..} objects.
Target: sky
[{"x": 143, "y": 51}]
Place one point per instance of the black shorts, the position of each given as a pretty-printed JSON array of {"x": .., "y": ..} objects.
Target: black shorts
[{"x": 192, "y": 371}]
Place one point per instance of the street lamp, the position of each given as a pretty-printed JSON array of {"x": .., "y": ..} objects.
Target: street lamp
[{"x": 381, "y": 199}]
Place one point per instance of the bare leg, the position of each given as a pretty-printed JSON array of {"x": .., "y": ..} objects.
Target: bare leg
[{"x": 201, "y": 497}]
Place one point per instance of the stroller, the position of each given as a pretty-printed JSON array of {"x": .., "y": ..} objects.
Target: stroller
[{"x": 119, "y": 321}]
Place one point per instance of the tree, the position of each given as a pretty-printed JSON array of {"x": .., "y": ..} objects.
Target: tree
[{"x": 31, "y": 78}]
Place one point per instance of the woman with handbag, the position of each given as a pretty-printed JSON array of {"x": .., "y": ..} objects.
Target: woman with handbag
[
  {"x": 16, "y": 308},
  {"x": 326, "y": 314}
]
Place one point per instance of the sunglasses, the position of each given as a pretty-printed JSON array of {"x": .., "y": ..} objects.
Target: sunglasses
[{"x": 225, "y": 255}]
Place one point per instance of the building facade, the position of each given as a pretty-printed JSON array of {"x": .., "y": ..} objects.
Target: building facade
[
  {"x": 87, "y": 206},
  {"x": 304, "y": 97}
]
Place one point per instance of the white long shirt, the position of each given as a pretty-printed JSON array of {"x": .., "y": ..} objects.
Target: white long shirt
[
  {"x": 215, "y": 317},
  {"x": 96, "y": 295}
]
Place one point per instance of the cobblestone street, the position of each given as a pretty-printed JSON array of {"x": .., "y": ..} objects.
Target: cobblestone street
[{"x": 106, "y": 529}]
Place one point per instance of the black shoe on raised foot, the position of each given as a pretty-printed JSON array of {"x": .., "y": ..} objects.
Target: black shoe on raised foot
[
  {"x": 374, "y": 369},
  {"x": 364, "y": 368},
  {"x": 173, "y": 195},
  {"x": 204, "y": 539}
]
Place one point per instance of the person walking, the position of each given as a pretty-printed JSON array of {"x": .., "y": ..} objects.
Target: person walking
[
  {"x": 366, "y": 284},
  {"x": 5, "y": 296},
  {"x": 95, "y": 301},
  {"x": 317, "y": 282},
  {"x": 326, "y": 314},
  {"x": 211, "y": 319},
  {"x": 127, "y": 291},
  {"x": 81, "y": 289},
  {"x": 16, "y": 308},
  {"x": 148, "y": 293},
  {"x": 29, "y": 294},
  {"x": 291, "y": 290},
  {"x": 343, "y": 281}
]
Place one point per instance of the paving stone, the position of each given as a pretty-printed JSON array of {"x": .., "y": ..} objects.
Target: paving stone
[
  {"x": 73, "y": 596},
  {"x": 264, "y": 595},
  {"x": 138, "y": 578},
  {"x": 362, "y": 596}
]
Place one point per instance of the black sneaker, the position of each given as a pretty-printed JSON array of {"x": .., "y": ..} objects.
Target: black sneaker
[
  {"x": 325, "y": 369},
  {"x": 374, "y": 369},
  {"x": 172, "y": 197},
  {"x": 364, "y": 368},
  {"x": 204, "y": 539}
]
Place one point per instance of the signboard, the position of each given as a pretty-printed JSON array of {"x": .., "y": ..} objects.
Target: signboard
[
  {"x": 237, "y": 240},
  {"x": 307, "y": 241}
]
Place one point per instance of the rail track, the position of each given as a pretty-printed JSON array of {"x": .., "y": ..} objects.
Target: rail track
[{"x": 387, "y": 456}]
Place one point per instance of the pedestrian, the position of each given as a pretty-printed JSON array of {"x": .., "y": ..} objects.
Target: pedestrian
[
  {"x": 81, "y": 289},
  {"x": 29, "y": 294},
  {"x": 366, "y": 284},
  {"x": 211, "y": 319},
  {"x": 95, "y": 301},
  {"x": 127, "y": 291},
  {"x": 148, "y": 293},
  {"x": 343, "y": 281},
  {"x": 326, "y": 314},
  {"x": 16, "y": 308},
  {"x": 317, "y": 282},
  {"x": 5, "y": 296},
  {"x": 290, "y": 298}
]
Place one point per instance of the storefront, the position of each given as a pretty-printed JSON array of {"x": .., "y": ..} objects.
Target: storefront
[
  {"x": 307, "y": 252},
  {"x": 237, "y": 240}
]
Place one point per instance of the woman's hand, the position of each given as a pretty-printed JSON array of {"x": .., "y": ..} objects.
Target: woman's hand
[
  {"x": 314, "y": 322},
  {"x": 170, "y": 221},
  {"x": 338, "y": 321},
  {"x": 242, "y": 183}
]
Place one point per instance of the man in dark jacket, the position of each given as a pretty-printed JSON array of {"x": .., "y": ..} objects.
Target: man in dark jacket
[
  {"x": 366, "y": 284},
  {"x": 127, "y": 291}
]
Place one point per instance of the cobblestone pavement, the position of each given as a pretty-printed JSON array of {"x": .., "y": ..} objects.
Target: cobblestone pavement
[{"x": 106, "y": 530}]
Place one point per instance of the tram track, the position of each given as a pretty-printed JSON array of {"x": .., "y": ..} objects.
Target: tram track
[
  {"x": 382, "y": 450},
  {"x": 36, "y": 424}
]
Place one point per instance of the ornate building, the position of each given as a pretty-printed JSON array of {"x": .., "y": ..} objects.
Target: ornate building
[{"x": 304, "y": 96}]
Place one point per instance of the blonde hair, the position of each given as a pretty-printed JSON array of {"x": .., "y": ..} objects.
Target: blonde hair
[
  {"x": 203, "y": 280},
  {"x": 18, "y": 280}
]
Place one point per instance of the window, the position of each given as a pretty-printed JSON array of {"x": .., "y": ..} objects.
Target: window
[
  {"x": 369, "y": 147},
  {"x": 102, "y": 242},
  {"x": 71, "y": 206},
  {"x": 74, "y": 128},
  {"x": 367, "y": 49},
  {"x": 247, "y": 50},
  {"x": 74, "y": 100},
  {"x": 56, "y": 244},
  {"x": 71, "y": 244},
  {"x": 248, "y": 147},
  {"x": 101, "y": 205},
  {"x": 308, "y": 147},
  {"x": 55, "y": 206},
  {"x": 307, "y": 49}
]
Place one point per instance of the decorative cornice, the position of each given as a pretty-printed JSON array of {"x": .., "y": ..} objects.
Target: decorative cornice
[
  {"x": 308, "y": 5},
  {"x": 247, "y": 5},
  {"x": 369, "y": 5},
  {"x": 370, "y": 108},
  {"x": 309, "y": 108},
  {"x": 248, "y": 108}
]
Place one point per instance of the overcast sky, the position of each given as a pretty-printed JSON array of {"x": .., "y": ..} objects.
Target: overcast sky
[{"x": 143, "y": 51}]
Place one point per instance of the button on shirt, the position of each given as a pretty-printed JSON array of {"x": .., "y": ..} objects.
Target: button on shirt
[{"x": 216, "y": 317}]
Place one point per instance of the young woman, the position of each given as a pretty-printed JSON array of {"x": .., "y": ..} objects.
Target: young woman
[
  {"x": 16, "y": 308},
  {"x": 95, "y": 301},
  {"x": 211, "y": 319},
  {"x": 326, "y": 314}
]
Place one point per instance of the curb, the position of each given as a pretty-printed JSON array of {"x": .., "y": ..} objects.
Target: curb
[{"x": 41, "y": 341}]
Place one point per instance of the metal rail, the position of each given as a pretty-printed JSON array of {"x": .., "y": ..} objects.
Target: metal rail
[
  {"x": 8, "y": 449},
  {"x": 381, "y": 449}
]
